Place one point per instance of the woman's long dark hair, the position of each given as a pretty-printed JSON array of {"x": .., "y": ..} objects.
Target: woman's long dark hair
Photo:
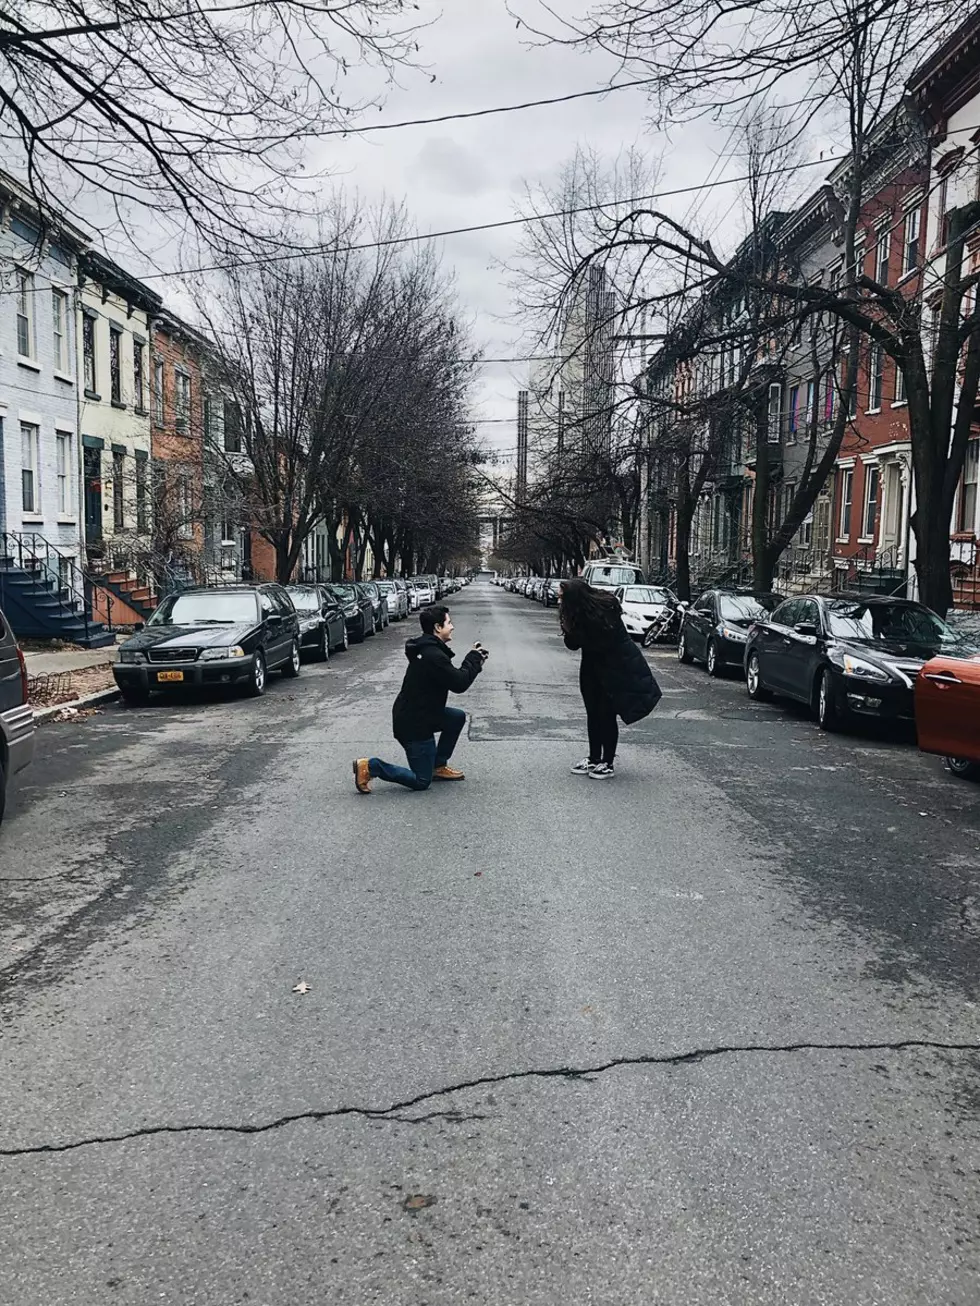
[{"x": 588, "y": 611}]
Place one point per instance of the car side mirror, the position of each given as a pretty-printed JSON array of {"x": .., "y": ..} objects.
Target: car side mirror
[
  {"x": 806, "y": 628},
  {"x": 683, "y": 605}
]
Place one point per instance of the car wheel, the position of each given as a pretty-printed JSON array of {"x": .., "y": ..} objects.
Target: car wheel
[
  {"x": 962, "y": 767},
  {"x": 323, "y": 648},
  {"x": 346, "y": 644},
  {"x": 712, "y": 663},
  {"x": 753, "y": 680},
  {"x": 3, "y": 789},
  {"x": 290, "y": 668},
  {"x": 683, "y": 653},
  {"x": 256, "y": 677},
  {"x": 135, "y": 697},
  {"x": 829, "y": 715}
]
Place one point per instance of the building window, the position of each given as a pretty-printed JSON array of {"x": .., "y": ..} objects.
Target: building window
[
  {"x": 870, "y": 513},
  {"x": 775, "y": 412},
  {"x": 829, "y": 396},
  {"x": 142, "y": 524},
  {"x": 158, "y": 391},
  {"x": 804, "y": 536},
  {"x": 911, "y": 258},
  {"x": 63, "y": 467},
  {"x": 968, "y": 493},
  {"x": 882, "y": 256},
  {"x": 811, "y": 399},
  {"x": 59, "y": 320},
  {"x": 846, "y": 499},
  {"x": 207, "y": 417},
  {"x": 25, "y": 315},
  {"x": 139, "y": 375},
  {"x": 229, "y": 531},
  {"x": 792, "y": 417},
  {"x": 876, "y": 376},
  {"x": 30, "y": 440},
  {"x": 233, "y": 426},
  {"x": 182, "y": 400},
  {"x": 899, "y": 384},
  {"x": 88, "y": 351},
  {"x": 118, "y": 498},
  {"x": 115, "y": 365}
]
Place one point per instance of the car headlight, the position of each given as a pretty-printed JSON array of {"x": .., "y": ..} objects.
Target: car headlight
[
  {"x": 131, "y": 655},
  {"x": 214, "y": 654},
  {"x": 864, "y": 670},
  {"x": 310, "y": 624},
  {"x": 739, "y": 636}
]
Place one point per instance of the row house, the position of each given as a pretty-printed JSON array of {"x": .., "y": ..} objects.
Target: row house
[{"x": 871, "y": 490}]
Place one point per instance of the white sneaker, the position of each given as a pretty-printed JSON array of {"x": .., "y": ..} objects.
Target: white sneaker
[
  {"x": 602, "y": 771},
  {"x": 585, "y": 767}
]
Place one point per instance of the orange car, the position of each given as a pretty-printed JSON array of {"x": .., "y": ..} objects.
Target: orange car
[{"x": 947, "y": 712}]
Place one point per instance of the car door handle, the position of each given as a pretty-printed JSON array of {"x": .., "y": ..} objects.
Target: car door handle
[{"x": 942, "y": 677}]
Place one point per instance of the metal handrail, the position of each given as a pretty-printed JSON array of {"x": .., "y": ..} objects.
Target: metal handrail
[{"x": 73, "y": 587}]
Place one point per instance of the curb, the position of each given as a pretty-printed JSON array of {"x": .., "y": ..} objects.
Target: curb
[{"x": 100, "y": 696}]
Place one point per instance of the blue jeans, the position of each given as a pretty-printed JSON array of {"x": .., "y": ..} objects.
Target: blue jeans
[{"x": 424, "y": 755}]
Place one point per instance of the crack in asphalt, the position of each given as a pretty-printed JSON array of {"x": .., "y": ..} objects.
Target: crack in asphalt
[{"x": 390, "y": 1113}]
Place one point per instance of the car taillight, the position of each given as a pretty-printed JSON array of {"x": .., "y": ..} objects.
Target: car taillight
[{"x": 23, "y": 673}]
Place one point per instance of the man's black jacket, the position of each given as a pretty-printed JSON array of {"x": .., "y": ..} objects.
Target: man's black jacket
[{"x": 421, "y": 702}]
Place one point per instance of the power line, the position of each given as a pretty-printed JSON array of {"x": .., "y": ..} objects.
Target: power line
[{"x": 485, "y": 113}]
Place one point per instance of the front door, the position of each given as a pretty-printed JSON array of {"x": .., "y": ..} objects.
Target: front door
[
  {"x": 93, "y": 496},
  {"x": 800, "y": 656}
]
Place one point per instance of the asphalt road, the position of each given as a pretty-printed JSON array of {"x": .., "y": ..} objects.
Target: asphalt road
[{"x": 704, "y": 1034}]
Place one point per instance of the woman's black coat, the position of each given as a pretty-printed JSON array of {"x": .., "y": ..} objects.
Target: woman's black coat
[{"x": 621, "y": 669}]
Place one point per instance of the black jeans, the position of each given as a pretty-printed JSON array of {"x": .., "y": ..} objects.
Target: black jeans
[{"x": 600, "y": 716}]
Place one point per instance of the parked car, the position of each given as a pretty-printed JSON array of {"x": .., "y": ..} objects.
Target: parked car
[
  {"x": 413, "y": 596},
  {"x": 847, "y": 657},
  {"x": 550, "y": 590},
  {"x": 322, "y": 625},
  {"x": 229, "y": 635},
  {"x": 947, "y": 712},
  {"x": 426, "y": 591},
  {"x": 379, "y": 604},
  {"x": 397, "y": 598},
  {"x": 611, "y": 573},
  {"x": 715, "y": 630},
  {"x": 358, "y": 609},
  {"x": 643, "y": 605},
  {"x": 16, "y": 713}
]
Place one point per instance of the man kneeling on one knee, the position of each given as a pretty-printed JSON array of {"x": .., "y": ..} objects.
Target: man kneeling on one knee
[{"x": 420, "y": 712}]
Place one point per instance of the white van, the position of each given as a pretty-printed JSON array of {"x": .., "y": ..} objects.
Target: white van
[{"x": 611, "y": 573}]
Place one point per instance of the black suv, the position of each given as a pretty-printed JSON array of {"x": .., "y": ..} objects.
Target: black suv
[{"x": 231, "y": 635}]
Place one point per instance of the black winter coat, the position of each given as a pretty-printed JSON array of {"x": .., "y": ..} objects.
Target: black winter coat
[
  {"x": 421, "y": 702},
  {"x": 620, "y": 668}
]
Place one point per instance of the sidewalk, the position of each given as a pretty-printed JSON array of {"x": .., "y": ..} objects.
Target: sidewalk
[{"x": 69, "y": 677}]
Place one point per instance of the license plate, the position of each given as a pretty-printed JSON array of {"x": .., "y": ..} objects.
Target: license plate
[{"x": 169, "y": 676}]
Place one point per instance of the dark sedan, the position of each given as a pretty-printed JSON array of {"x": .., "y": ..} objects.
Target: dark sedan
[
  {"x": 846, "y": 658},
  {"x": 379, "y": 603},
  {"x": 322, "y": 624},
  {"x": 357, "y": 607},
  {"x": 716, "y": 629},
  {"x": 233, "y": 635}
]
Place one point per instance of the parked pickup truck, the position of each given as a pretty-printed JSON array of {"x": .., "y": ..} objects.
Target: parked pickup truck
[{"x": 16, "y": 714}]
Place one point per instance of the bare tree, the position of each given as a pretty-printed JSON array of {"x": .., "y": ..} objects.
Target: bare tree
[{"x": 198, "y": 111}]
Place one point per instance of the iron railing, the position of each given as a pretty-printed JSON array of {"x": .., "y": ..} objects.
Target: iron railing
[{"x": 72, "y": 588}]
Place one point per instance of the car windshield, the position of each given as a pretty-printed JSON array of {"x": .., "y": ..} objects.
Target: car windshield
[
  {"x": 305, "y": 600},
  {"x": 744, "y": 607},
  {"x": 385, "y": 586},
  {"x": 645, "y": 594},
  {"x": 904, "y": 622},
  {"x": 343, "y": 591},
  {"x": 207, "y": 608}
]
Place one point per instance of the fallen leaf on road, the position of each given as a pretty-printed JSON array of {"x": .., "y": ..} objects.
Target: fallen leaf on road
[
  {"x": 302, "y": 987},
  {"x": 418, "y": 1202},
  {"x": 75, "y": 713}
]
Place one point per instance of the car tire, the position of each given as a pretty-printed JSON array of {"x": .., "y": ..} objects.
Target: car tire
[
  {"x": 290, "y": 668},
  {"x": 135, "y": 697},
  {"x": 357, "y": 636},
  {"x": 683, "y": 652},
  {"x": 829, "y": 714},
  {"x": 323, "y": 648},
  {"x": 962, "y": 768},
  {"x": 256, "y": 676},
  {"x": 3, "y": 789},
  {"x": 754, "y": 687},
  {"x": 712, "y": 662}
]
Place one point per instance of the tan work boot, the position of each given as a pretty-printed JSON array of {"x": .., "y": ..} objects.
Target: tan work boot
[
  {"x": 362, "y": 776},
  {"x": 447, "y": 773}
]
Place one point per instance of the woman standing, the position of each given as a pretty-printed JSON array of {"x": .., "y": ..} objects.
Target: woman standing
[{"x": 614, "y": 676}]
